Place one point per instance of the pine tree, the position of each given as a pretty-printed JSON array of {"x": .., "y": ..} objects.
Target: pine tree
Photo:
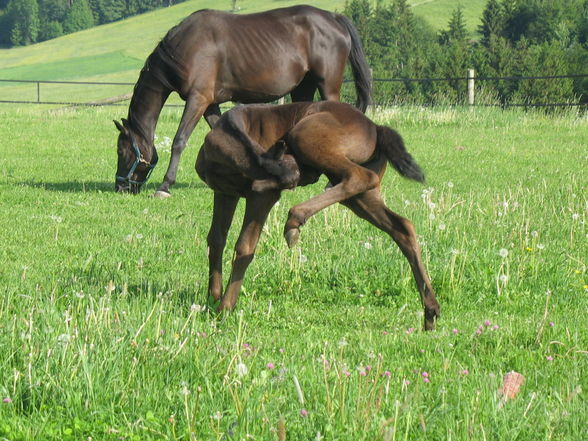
[
  {"x": 492, "y": 22},
  {"x": 24, "y": 19},
  {"x": 78, "y": 17},
  {"x": 457, "y": 31},
  {"x": 112, "y": 10},
  {"x": 359, "y": 12},
  {"x": 53, "y": 10}
]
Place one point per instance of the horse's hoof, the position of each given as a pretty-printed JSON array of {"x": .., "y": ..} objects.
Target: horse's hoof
[
  {"x": 160, "y": 194},
  {"x": 292, "y": 236}
]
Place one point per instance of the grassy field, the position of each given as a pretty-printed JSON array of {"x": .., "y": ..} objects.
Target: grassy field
[{"x": 104, "y": 335}]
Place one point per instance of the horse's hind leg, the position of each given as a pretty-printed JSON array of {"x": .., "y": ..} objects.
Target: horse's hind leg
[
  {"x": 222, "y": 216},
  {"x": 356, "y": 179},
  {"x": 256, "y": 211},
  {"x": 370, "y": 206}
]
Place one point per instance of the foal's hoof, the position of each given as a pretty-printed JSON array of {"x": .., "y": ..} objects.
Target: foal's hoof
[
  {"x": 292, "y": 236},
  {"x": 160, "y": 194}
]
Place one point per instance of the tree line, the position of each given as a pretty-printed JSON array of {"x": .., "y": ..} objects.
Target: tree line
[
  {"x": 24, "y": 22},
  {"x": 514, "y": 39}
]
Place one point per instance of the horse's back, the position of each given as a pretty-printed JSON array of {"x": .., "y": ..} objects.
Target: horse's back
[{"x": 257, "y": 57}]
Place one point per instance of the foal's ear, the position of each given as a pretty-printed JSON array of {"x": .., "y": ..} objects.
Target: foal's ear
[
  {"x": 280, "y": 149},
  {"x": 120, "y": 128}
]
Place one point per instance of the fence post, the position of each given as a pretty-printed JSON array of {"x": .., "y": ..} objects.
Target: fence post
[
  {"x": 471, "y": 96},
  {"x": 38, "y": 92}
]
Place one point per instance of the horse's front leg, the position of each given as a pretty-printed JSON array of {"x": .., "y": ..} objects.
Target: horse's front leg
[
  {"x": 222, "y": 216},
  {"x": 193, "y": 110},
  {"x": 256, "y": 211}
]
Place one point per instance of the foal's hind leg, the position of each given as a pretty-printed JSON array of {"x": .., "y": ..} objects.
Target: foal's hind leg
[
  {"x": 224, "y": 209},
  {"x": 370, "y": 206},
  {"x": 256, "y": 211},
  {"x": 356, "y": 179}
]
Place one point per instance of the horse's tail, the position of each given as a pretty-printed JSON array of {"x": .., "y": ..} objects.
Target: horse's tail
[
  {"x": 390, "y": 143},
  {"x": 359, "y": 66}
]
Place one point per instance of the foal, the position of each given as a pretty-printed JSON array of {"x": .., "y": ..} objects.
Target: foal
[{"x": 255, "y": 151}]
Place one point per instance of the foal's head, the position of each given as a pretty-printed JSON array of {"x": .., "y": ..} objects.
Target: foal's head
[{"x": 135, "y": 159}]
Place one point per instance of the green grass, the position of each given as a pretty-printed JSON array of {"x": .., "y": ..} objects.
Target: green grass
[
  {"x": 101, "y": 336},
  {"x": 438, "y": 12}
]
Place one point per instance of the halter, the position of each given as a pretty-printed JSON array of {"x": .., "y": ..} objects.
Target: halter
[{"x": 138, "y": 160}]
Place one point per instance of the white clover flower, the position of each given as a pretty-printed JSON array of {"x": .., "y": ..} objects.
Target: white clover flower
[
  {"x": 534, "y": 233},
  {"x": 241, "y": 369},
  {"x": 503, "y": 252},
  {"x": 450, "y": 184},
  {"x": 367, "y": 245},
  {"x": 503, "y": 278},
  {"x": 64, "y": 338},
  {"x": 442, "y": 226}
]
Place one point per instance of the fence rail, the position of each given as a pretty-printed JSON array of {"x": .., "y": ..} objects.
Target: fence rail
[{"x": 470, "y": 78}]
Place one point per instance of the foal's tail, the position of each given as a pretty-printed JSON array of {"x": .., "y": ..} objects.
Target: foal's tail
[
  {"x": 359, "y": 66},
  {"x": 390, "y": 143}
]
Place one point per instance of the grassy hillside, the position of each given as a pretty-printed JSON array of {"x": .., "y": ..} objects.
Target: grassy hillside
[
  {"x": 115, "y": 52},
  {"x": 438, "y": 12}
]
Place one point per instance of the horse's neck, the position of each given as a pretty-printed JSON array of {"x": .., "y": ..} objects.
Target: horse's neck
[{"x": 147, "y": 101}]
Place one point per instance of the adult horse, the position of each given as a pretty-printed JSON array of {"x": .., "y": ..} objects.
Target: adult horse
[
  {"x": 301, "y": 141},
  {"x": 212, "y": 57}
]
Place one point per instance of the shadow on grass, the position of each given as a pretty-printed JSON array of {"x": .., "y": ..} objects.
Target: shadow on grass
[{"x": 96, "y": 187}]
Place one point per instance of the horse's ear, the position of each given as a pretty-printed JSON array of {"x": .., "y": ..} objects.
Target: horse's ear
[{"x": 119, "y": 127}]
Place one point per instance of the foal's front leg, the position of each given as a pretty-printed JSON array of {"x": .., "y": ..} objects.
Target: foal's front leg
[
  {"x": 222, "y": 216},
  {"x": 257, "y": 209}
]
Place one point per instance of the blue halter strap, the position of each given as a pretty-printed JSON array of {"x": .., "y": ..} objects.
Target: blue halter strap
[{"x": 138, "y": 160}]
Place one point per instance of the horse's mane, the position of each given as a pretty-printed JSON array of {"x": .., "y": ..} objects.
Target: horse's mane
[
  {"x": 163, "y": 66},
  {"x": 164, "y": 63}
]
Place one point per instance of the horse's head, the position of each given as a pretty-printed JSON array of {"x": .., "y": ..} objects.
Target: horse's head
[{"x": 135, "y": 160}]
